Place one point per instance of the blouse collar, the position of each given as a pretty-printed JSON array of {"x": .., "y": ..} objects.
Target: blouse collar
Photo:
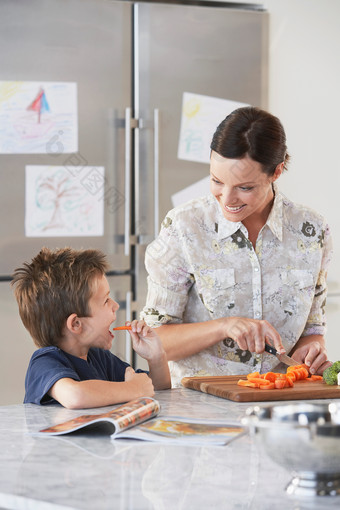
[{"x": 226, "y": 228}]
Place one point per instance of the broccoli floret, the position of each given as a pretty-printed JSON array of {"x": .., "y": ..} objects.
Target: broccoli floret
[{"x": 330, "y": 375}]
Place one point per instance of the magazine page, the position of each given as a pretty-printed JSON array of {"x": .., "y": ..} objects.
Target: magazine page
[
  {"x": 179, "y": 430},
  {"x": 123, "y": 417}
]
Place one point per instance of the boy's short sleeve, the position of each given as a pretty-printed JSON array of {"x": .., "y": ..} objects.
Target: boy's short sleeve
[
  {"x": 46, "y": 367},
  {"x": 49, "y": 364}
]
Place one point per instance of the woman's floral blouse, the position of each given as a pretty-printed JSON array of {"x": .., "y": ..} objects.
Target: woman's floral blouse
[{"x": 203, "y": 267}]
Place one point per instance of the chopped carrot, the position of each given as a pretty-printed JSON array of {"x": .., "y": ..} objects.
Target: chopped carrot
[
  {"x": 297, "y": 367},
  {"x": 298, "y": 374},
  {"x": 269, "y": 386},
  {"x": 270, "y": 376},
  {"x": 313, "y": 378},
  {"x": 304, "y": 373},
  {"x": 290, "y": 381},
  {"x": 316, "y": 377},
  {"x": 253, "y": 375},
  {"x": 242, "y": 382},
  {"x": 273, "y": 380},
  {"x": 258, "y": 381},
  {"x": 264, "y": 382},
  {"x": 300, "y": 371},
  {"x": 279, "y": 384},
  {"x": 292, "y": 375}
]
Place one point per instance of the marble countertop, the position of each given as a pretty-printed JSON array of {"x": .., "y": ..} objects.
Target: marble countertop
[{"x": 93, "y": 472}]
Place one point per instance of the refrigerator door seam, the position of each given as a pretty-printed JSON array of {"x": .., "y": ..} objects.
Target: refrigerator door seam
[
  {"x": 156, "y": 171},
  {"x": 127, "y": 181}
]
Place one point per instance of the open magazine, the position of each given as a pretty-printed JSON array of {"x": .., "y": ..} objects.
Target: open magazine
[
  {"x": 179, "y": 430},
  {"x": 121, "y": 418},
  {"x": 136, "y": 420}
]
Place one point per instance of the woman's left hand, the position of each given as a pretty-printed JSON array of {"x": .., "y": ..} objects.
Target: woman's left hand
[{"x": 311, "y": 350}]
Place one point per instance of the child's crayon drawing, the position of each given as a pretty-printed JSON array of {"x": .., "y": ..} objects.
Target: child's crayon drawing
[
  {"x": 200, "y": 117},
  {"x": 33, "y": 115},
  {"x": 61, "y": 204}
]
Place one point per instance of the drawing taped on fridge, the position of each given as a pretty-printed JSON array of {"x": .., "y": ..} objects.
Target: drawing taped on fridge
[
  {"x": 31, "y": 113},
  {"x": 59, "y": 203}
]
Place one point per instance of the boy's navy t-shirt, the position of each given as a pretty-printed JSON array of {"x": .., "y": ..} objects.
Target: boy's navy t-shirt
[{"x": 49, "y": 364}]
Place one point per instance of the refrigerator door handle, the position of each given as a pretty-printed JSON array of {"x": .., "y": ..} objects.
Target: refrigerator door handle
[
  {"x": 127, "y": 181},
  {"x": 144, "y": 239},
  {"x": 156, "y": 171}
]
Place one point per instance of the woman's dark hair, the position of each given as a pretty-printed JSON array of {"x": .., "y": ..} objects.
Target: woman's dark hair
[{"x": 252, "y": 132}]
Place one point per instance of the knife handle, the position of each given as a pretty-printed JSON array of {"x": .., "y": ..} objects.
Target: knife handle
[{"x": 270, "y": 349}]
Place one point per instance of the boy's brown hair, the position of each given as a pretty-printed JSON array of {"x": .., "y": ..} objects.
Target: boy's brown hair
[{"x": 52, "y": 287}]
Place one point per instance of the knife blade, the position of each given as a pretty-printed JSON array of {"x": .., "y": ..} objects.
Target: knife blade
[{"x": 281, "y": 357}]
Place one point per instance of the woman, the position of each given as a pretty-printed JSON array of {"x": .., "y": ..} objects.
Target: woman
[{"x": 242, "y": 266}]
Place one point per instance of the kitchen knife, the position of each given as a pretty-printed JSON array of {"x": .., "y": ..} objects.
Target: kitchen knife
[{"x": 281, "y": 357}]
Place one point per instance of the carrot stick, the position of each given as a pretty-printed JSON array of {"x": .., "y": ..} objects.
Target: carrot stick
[
  {"x": 122, "y": 327},
  {"x": 316, "y": 378}
]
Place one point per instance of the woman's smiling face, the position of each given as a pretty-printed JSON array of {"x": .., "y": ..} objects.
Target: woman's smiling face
[{"x": 241, "y": 188}]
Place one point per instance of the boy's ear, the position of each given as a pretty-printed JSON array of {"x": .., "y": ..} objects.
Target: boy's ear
[{"x": 73, "y": 323}]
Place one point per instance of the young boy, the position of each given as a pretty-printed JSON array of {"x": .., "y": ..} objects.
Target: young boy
[{"x": 64, "y": 302}]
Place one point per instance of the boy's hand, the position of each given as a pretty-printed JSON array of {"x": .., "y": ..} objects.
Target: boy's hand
[
  {"x": 147, "y": 344},
  {"x": 145, "y": 341},
  {"x": 141, "y": 384}
]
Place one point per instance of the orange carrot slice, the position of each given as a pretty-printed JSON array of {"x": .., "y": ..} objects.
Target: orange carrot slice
[
  {"x": 279, "y": 384},
  {"x": 292, "y": 376},
  {"x": 290, "y": 381},
  {"x": 258, "y": 381},
  {"x": 249, "y": 384},
  {"x": 270, "y": 376},
  {"x": 269, "y": 386},
  {"x": 253, "y": 375}
]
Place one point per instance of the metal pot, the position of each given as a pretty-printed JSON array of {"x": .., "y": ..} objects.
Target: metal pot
[{"x": 305, "y": 439}]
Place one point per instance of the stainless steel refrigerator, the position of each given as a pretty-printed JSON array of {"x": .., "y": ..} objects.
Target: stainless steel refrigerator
[{"x": 131, "y": 62}]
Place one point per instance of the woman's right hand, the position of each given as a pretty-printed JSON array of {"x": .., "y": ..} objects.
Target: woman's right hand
[{"x": 252, "y": 334}]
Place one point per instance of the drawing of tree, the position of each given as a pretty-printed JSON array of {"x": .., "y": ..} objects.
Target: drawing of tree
[{"x": 53, "y": 193}]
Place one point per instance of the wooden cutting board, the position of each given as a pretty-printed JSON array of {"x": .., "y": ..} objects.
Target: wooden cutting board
[{"x": 226, "y": 387}]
